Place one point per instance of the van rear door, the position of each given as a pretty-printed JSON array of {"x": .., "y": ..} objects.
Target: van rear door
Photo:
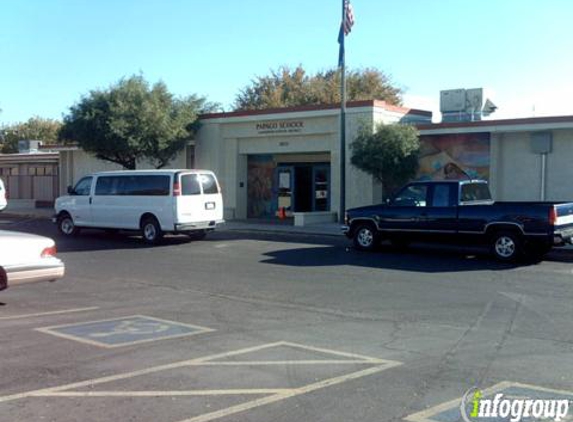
[{"x": 199, "y": 198}]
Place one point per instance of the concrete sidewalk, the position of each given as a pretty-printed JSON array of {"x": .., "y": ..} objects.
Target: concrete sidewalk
[
  {"x": 324, "y": 229},
  {"x": 27, "y": 212},
  {"x": 257, "y": 225}
]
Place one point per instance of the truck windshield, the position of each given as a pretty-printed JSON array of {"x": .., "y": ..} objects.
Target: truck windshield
[{"x": 475, "y": 192}]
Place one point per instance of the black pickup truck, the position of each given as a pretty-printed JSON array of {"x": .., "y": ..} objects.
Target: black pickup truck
[{"x": 462, "y": 211}]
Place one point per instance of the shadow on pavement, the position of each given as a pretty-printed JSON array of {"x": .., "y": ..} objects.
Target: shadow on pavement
[
  {"x": 328, "y": 250},
  {"x": 418, "y": 258}
]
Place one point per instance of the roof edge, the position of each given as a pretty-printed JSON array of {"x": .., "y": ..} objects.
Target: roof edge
[
  {"x": 500, "y": 122},
  {"x": 351, "y": 104}
]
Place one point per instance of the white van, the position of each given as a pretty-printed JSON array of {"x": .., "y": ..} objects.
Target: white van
[
  {"x": 3, "y": 196},
  {"x": 151, "y": 201}
]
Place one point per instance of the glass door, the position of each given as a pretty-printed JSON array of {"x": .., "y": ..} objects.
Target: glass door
[
  {"x": 321, "y": 188},
  {"x": 285, "y": 183}
]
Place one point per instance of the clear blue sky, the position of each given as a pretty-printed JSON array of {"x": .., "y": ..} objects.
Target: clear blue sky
[{"x": 54, "y": 51}]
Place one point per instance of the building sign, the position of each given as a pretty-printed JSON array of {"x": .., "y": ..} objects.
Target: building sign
[{"x": 282, "y": 126}]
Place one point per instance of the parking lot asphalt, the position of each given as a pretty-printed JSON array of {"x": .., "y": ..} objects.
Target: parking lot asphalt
[{"x": 248, "y": 326}]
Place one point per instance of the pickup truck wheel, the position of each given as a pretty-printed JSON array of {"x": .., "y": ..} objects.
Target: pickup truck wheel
[
  {"x": 365, "y": 237},
  {"x": 66, "y": 225},
  {"x": 151, "y": 231},
  {"x": 506, "y": 246}
]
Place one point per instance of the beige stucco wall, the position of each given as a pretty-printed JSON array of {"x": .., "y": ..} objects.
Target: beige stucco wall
[
  {"x": 517, "y": 169},
  {"x": 76, "y": 163},
  {"x": 560, "y": 168}
]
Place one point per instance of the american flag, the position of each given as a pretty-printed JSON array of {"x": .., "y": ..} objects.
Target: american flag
[
  {"x": 349, "y": 21},
  {"x": 345, "y": 28}
]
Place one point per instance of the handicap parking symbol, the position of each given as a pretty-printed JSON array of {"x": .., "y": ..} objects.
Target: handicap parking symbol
[
  {"x": 133, "y": 327},
  {"x": 124, "y": 331}
]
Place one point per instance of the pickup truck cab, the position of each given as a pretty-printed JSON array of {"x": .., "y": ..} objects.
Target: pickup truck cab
[{"x": 462, "y": 211}]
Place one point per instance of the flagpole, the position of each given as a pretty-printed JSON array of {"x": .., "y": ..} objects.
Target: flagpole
[{"x": 342, "y": 123}]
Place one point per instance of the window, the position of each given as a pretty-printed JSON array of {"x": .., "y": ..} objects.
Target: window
[
  {"x": 412, "y": 196},
  {"x": 133, "y": 185},
  {"x": 475, "y": 192},
  {"x": 147, "y": 186},
  {"x": 442, "y": 196},
  {"x": 104, "y": 186},
  {"x": 83, "y": 187},
  {"x": 209, "y": 184},
  {"x": 190, "y": 185}
]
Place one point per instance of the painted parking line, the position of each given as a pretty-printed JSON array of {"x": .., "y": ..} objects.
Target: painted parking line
[
  {"x": 450, "y": 411},
  {"x": 41, "y": 314},
  {"x": 124, "y": 331},
  {"x": 239, "y": 357}
]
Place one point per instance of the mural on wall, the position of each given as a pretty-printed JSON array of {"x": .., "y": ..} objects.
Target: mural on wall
[
  {"x": 261, "y": 170},
  {"x": 445, "y": 157}
]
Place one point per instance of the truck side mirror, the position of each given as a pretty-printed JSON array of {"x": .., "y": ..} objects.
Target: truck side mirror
[{"x": 71, "y": 190}]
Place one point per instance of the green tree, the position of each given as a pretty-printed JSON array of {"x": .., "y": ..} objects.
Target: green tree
[
  {"x": 390, "y": 154},
  {"x": 36, "y": 128},
  {"x": 132, "y": 120},
  {"x": 287, "y": 88}
]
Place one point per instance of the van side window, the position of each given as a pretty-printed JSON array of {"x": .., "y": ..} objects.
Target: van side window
[
  {"x": 190, "y": 185},
  {"x": 209, "y": 184},
  {"x": 148, "y": 186},
  {"x": 104, "y": 185},
  {"x": 83, "y": 187},
  {"x": 133, "y": 185}
]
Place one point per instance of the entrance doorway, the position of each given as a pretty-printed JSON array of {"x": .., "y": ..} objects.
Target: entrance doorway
[
  {"x": 303, "y": 187},
  {"x": 289, "y": 182}
]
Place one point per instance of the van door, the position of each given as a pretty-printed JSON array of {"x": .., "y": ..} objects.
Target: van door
[
  {"x": 199, "y": 199},
  {"x": 81, "y": 202},
  {"x": 103, "y": 201},
  {"x": 213, "y": 201}
]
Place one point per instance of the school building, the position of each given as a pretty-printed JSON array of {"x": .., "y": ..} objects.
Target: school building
[{"x": 269, "y": 159}]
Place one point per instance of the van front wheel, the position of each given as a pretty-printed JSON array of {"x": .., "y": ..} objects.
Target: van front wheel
[
  {"x": 66, "y": 225},
  {"x": 151, "y": 231}
]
